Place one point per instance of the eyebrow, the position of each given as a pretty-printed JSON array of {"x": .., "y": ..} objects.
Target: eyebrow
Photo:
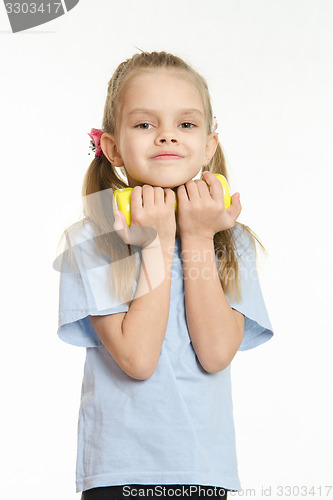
[{"x": 153, "y": 111}]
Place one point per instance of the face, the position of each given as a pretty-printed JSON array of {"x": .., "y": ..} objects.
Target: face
[{"x": 162, "y": 138}]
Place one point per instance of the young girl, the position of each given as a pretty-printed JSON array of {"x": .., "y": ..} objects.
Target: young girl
[{"x": 164, "y": 304}]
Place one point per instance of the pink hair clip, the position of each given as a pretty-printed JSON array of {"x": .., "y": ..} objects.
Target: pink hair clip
[
  {"x": 95, "y": 143},
  {"x": 214, "y": 125}
]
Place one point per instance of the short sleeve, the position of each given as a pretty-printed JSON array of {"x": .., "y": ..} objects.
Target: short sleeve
[
  {"x": 257, "y": 326},
  {"x": 84, "y": 289}
]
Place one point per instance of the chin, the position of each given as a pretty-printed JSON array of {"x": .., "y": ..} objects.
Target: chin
[{"x": 172, "y": 185}]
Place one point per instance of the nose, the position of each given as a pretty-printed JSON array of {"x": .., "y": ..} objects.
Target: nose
[{"x": 166, "y": 137}]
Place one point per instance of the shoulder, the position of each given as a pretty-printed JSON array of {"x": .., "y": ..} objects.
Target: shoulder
[
  {"x": 77, "y": 243},
  {"x": 80, "y": 232},
  {"x": 244, "y": 241}
]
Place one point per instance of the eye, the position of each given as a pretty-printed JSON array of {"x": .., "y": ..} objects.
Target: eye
[
  {"x": 187, "y": 125},
  {"x": 143, "y": 126}
]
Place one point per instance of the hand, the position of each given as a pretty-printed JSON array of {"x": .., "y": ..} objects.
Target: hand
[
  {"x": 201, "y": 213},
  {"x": 152, "y": 217}
]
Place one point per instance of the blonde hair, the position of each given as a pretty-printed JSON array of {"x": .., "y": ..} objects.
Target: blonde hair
[{"x": 102, "y": 175}]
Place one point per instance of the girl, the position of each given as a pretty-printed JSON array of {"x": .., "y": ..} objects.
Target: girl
[{"x": 162, "y": 305}]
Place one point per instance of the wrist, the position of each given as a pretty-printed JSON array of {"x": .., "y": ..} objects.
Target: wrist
[
  {"x": 196, "y": 239},
  {"x": 165, "y": 247},
  {"x": 192, "y": 245}
]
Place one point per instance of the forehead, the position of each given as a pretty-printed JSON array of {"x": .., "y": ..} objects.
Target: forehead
[{"x": 161, "y": 87}]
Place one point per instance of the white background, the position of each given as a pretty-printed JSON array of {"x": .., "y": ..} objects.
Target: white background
[{"x": 269, "y": 68}]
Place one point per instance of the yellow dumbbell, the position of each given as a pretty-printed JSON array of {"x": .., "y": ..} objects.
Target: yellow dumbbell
[{"x": 122, "y": 198}]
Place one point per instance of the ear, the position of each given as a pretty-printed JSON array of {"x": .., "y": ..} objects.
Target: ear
[
  {"x": 211, "y": 145},
  {"x": 110, "y": 149}
]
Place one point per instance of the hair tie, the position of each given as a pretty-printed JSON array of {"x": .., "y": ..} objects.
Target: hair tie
[
  {"x": 214, "y": 125},
  {"x": 95, "y": 143}
]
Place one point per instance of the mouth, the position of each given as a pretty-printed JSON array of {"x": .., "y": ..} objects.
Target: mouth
[{"x": 167, "y": 156}]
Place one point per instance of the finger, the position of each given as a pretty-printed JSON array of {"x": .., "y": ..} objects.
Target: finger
[
  {"x": 147, "y": 196},
  {"x": 216, "y": 190},
  {"x": 182, "y": 193},
  {"x": 119, "y": 220},
  {"x": 120, "y": 225},
  {"x": 136, "y": 198},
  {"x": 235, "y": 208},
  {"x": 170, "y": 196},
  {"x": 158, "y": 196},
  {"x": 192, "y": 190},
  {"x": 203, "y": 189}
]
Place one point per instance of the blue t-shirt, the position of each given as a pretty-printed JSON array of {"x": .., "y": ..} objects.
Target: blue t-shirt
[{"x": 177, "y": 426}]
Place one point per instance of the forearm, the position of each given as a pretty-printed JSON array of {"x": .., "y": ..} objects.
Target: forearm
[
  {"x": 213, "y": 328},
  {"x": 145, "y": 323}
]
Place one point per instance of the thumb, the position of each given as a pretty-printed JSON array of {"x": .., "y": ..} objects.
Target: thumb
[
  {"x": 119, "y": 220},
  {"x": 236, "y": 207},
  {"x": 120, "y": 226}
]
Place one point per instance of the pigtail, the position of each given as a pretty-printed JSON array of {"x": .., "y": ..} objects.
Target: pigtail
[
  {"x": 224, "y": 241},
  {"x": 100, "y": 181}
]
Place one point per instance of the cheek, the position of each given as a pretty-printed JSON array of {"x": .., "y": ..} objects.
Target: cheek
[
  {"x": 200, "y": 150},
  {"x": 133, "y": 154},
  {"x": 198, "y": 143},
  {"x": 127, "y": 148}
]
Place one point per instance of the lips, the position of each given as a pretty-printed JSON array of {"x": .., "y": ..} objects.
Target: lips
[{"x": 167, "y": 155}]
